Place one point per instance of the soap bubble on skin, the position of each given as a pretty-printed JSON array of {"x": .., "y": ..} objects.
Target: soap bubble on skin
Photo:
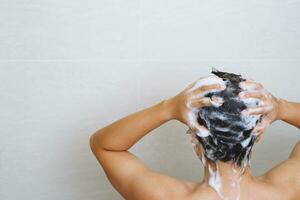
[{"x": 215, "y": 180}]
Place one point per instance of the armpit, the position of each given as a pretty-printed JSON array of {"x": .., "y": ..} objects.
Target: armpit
[{"x": 295, "y": 154}]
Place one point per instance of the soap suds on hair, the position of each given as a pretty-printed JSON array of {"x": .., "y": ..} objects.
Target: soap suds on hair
[{"x": 229, "y": 136}]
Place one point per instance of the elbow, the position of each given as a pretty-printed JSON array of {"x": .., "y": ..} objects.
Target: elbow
[
  {"x": 95, "y": 146},
  {"x": 93, "y": 143}
]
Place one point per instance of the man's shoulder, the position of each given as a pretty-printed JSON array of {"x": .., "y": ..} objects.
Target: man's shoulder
[
  {"x": 157, "y": 186},
  {"x": 288, "y": 168},
  {"x": 286, "y": 175}
]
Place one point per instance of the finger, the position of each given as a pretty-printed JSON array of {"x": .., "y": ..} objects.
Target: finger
[
  {"x": 206, "y": 101},
  {"x": 197, "y": 150},
  {"x": 261, "y": 126},
  {"x": 258, "y": 139},
  {"x": 200, "y": 92},
  {"x": 201, "y": 102},
  {"x": 250, "y": 85},
  {"x": 217, "y": 101},
  {"x": 249, "y": 80},
  {"x": 201, "y": 131},
  {"x": 259, "y": 131},
  {"x": 194, "y": 139},
  {"x": 260, "y": 134},
  {"x": 258, "y": 110},
  {"x": 193, "y": 136},
  {"x": 264, "y": 124},
  {"x": 191, "y": 85},
  {"x": 253, "y": 94}
]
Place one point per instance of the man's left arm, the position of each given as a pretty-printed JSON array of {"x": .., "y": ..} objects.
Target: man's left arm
[{"x": 126, "y": 172}]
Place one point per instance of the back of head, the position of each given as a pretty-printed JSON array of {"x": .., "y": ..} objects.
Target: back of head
[{"x": 230, "y": 138}]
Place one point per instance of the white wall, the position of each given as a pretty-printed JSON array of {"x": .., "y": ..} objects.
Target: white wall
[{"x": 68, "y": 68}]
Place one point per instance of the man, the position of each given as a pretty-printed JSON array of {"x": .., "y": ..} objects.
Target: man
[{"x": 222, "y": 180}]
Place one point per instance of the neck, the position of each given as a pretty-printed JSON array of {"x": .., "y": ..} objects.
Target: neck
[
  {"x": 227, "y": 171},
  {"x": 225, "y": 178}
]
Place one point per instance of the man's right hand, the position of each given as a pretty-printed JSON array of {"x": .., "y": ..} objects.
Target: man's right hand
[{"x": 270, "y": 107}]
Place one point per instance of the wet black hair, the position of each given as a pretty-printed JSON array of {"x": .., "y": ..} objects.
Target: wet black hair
[{"x": 227, "y": 127}]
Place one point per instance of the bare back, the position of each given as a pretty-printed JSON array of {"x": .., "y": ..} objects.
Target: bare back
[
  {"x": 137, "y": 182},
  {"x": 282, "y": 182}
]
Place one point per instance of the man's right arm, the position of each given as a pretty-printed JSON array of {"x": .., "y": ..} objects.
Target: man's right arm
[
  {"x": 291, "y": 113},
  {"x": 287, "y": 174}
]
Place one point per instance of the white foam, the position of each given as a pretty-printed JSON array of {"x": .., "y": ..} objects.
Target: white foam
[
  {"x": 224, "y": 129},
  {"x": 251, "y": 102},
  {"x": 215, "y": 180},
  {"x": 249, "y": 121},
  {"x": 220, "y": 116},
  {"x": 203, "y": 133},
  {"x": 246, "y": 142},
  {"x": 208, "y": 80},
  {"x": 192, "y": 119},
  {"x": 249, "y": 87},
  {"x": 216, "y": 104}
]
